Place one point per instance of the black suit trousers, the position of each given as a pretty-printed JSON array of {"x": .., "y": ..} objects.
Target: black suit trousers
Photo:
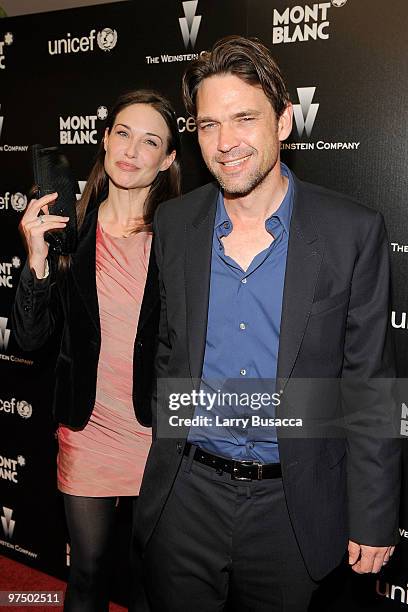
[{"x": 225, "y": 544}]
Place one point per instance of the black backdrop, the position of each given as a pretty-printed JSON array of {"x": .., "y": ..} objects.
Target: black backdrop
[{"x": 345, "y": 61}]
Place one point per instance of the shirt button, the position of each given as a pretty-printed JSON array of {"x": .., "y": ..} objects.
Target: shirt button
[
  {"x": 251, "y": 445},
  {"x": 226, "y": 225},
  {"x": 244, "y": 280},
  {"x": 242, "y": 326},
  {"x": 242, "y": 372}
]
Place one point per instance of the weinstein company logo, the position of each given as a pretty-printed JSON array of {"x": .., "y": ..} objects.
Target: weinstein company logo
[
  {"x": 189, "y": 27},
  {"x": 7, "y": 522},
  {"x": 303, "y": 22},
  {"x": 4, "y": 342},
  {"x": 304, "y": 114},
  {"x": 8, "y": 147}
]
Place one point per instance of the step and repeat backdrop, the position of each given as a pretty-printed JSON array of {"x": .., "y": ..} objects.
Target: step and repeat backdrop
[{"x": 345, "y": 62}]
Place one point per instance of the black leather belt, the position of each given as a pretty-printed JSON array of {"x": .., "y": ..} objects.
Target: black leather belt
[{"x": 239, "y": 470}]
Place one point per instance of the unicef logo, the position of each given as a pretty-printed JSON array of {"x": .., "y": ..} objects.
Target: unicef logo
[
  {"x": 338, "y": 3},
  {"x": 19, "y": 201},
  {"x": 24, "y": 409},
  {"x": 107, "y": 39},
  {"x": 102, "y": 112}
]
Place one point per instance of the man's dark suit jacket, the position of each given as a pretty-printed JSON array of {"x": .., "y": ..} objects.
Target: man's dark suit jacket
[
  {"x": 334, "y": 324},
  {"x": 69, "y": 299}
]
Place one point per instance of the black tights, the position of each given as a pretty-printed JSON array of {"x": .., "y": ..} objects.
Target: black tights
[{"x": 90, "y": 523}]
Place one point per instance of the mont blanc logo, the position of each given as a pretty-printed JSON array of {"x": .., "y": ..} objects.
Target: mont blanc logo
[
  {"x": 102, "y": 113},
  {"x": 17, "y": 201},
  {"x": 80, "y": 129},
  {"x": 7, "y": 272},
  {"x": 302, "y": 23},
  {"x": 4, "y": 334},
  {"x": 305, "y": 112},
  {"x": 8, "y": 39},
  {"x": 190, "y": 23},
  {"x": 7, "y": 522},
  {"x": 106, "y": 41},
  {"x": 10, "y": 468}
]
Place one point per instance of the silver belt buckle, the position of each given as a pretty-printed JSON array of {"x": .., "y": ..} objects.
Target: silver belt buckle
[{"x": 249, "y": 464}]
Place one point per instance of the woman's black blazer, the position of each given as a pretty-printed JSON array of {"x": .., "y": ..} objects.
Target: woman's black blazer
[{"x": 70, "y": 299}]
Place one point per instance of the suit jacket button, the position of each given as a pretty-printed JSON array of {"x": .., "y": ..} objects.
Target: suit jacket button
[
  {"x": 139, "y": 344},
  {"x": 179, "y": 447}
]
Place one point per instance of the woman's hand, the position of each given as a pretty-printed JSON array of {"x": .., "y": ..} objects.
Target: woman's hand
[{"x": 33, "y": 227}]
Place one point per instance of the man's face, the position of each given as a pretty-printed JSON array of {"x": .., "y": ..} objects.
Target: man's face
[{"x": 238, "y": 132}]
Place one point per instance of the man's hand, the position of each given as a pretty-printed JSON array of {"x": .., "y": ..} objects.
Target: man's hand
[{"x": 365, "y": 559}]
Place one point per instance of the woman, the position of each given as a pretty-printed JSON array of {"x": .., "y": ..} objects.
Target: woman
[{"x": 97, "y": 293}]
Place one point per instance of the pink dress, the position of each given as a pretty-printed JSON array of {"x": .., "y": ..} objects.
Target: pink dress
[{"x": 108, "y": 456}]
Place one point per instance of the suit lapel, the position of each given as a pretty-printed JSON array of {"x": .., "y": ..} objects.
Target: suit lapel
[
  {"x": 304, "y": 258},
  {"x": 83, "y": 267},
  {"x": 197, "y": 270}
]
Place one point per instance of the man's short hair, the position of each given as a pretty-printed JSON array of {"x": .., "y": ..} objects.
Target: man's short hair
[{"x": 246, "y": 58}]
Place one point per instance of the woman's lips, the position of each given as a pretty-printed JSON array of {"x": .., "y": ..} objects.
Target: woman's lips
[{"x": 126, "y": 167}]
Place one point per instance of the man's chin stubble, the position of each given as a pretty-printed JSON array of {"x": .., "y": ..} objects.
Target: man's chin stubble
[{"x": 239, "y": 190}]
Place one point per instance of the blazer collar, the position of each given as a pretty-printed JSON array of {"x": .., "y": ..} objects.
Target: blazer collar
[
  {"x": 197, "y": 270},
  {"x": 305, "y": 253}
]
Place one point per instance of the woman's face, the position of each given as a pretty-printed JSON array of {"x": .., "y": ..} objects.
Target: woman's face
[{"x": 136, "y": 147}]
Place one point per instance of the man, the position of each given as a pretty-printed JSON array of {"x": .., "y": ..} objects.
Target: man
[{"x": 263, "y": 277}]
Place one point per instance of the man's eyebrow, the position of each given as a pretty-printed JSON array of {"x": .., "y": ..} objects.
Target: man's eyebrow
[
  {"x": 246, "y": 112},
  {"x": 204, "y": 119},
  {"x": 243, "y": 113}
]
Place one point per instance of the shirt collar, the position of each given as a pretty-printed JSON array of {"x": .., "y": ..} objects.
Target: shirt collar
[{"x": 223, "y": 223}]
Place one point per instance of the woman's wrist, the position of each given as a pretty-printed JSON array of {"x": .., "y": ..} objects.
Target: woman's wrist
[{"x": 39, "y": 265}]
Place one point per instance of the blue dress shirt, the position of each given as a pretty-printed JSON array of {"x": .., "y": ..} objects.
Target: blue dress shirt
[{"x": 242, "y": 342}]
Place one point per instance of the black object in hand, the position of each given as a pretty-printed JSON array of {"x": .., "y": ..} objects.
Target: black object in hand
[{"x": 52, "y": 173}]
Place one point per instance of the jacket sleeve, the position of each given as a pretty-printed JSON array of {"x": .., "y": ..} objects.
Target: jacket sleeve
[
  {"x": 369, "y": 405},
  {"x": 36, "y": 308}
]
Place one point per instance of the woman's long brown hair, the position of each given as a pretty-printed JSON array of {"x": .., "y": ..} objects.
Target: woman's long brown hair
[{"x": 165, "y": 186}]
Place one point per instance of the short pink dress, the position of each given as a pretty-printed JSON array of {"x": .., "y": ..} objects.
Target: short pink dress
[{"x": 107, "y": 457}]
